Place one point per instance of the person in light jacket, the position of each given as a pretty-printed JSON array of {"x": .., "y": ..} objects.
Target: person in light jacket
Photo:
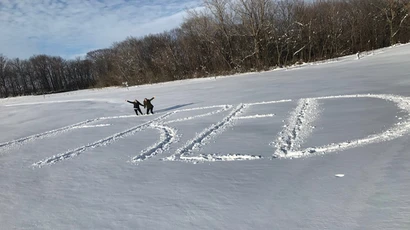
[{"x": 149, "y": 105}]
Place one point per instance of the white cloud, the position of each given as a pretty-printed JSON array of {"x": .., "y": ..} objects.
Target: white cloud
[{"x": 69, "y": 27}]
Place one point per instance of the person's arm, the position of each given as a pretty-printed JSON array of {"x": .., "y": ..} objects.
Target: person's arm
[
  {"x": 151, "y": 99},
  {"x": 129, "y": 101}
]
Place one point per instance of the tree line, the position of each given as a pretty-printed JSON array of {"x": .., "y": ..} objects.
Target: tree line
[{"x": 224, "y": 37}]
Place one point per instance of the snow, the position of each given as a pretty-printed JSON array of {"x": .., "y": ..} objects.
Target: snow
[{"x": 261, "y": 150}]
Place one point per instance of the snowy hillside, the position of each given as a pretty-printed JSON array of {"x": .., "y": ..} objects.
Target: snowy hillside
[{"x": 318, "y": 146}]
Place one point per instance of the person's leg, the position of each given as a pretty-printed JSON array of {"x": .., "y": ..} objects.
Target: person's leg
[
  {"x": 152, "y": 110},
  {"x": 139, "y": 110},
  {"x": 147, "y": 111},
  {"x": 136, "y": 111}
]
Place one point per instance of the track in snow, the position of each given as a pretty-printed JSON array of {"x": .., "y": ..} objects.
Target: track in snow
[
  {"x": 55, "y": 132},
  {"x": 298, "y": 128},
  {"x": 397, "y": 130},
  {"x": 222, "y": 109},
  {"x": 72, "y": 153},
  {"x": 168, "y": 135},
  {"x": 288, "y": 142},
  {"x": 204, "y": 137},
  {"x": 185, "y": 153}
]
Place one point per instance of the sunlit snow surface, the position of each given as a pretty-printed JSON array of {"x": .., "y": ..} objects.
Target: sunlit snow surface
[{"x": 318, "y": 146}]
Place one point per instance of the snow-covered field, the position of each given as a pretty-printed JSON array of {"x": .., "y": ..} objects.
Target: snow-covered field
[{"x": 319, "y": 146}]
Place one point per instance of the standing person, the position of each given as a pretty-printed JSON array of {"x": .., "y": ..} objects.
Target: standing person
[
  {"x": 136, "y": 106},
  {"x": 148, "y": 105}
]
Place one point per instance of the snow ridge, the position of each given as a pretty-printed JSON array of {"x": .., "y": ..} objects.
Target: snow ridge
[
  {"x": 102, "y": 142},
  {"x": 168, "y": 136},
  {"x": 298, "y": 128}
]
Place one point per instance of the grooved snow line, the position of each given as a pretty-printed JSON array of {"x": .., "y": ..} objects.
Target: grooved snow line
[
  {"x": 92, "y": 126},
  {"x": 168, "y": 136},
  {"x": 298, "y": 127},
  {"x": 45, "y": 134},
  {"x": 204, "y": 137},
  {"x": 397, "y": 130},
  {"x": 269, "y": 102},
  {"x": 116, "y": 117},
  {"x": 205, "y": 107},
  {"x": 217, "y": 157},
  {"x": 102, "y": 142},
  {"x": 255, "y": 116},
  {"x": 83, "y": 124},
  {"x": 54, "y": 132},
  {"x": 223, "y": 108}
]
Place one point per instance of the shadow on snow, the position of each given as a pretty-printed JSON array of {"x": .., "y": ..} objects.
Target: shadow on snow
[{"x": 173, "y": 107}]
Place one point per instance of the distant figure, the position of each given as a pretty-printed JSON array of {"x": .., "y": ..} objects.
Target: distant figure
[
  {"x": 136, "y": 106},
  {"x": 358, "y": 55},
  {"x": 148, "y": 105}
]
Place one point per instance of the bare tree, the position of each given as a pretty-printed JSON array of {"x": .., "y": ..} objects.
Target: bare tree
[
  {"x": 226, "y": 36},
  {"x": 4, "y": 88}
]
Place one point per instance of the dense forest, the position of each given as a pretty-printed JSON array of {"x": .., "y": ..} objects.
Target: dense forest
[{"x": 227, "y": 36}]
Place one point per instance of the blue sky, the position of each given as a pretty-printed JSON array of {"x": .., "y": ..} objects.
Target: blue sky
[{"x": 70, "y": 28}]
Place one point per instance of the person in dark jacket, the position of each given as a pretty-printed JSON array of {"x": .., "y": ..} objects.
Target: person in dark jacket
[
  {"x": 136, "y": 106},
  {"x": 148, "y": 105}
]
